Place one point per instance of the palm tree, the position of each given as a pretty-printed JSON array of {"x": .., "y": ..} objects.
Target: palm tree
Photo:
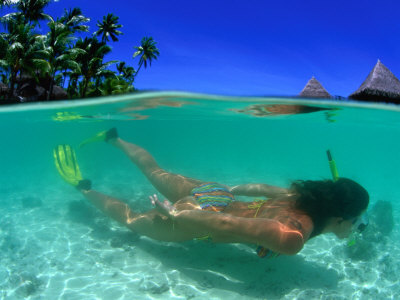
[
  {"x": 72, "y": 88},
  {"x": 112, "y": 86},
  {"x": 91, "y": 62},
  {"x": 56, "y": 49},
  {"x": 129, "y": 74},
  {"x": 147, "y": 52},
  {"x": 74, "y": 20},
  {"x": 23, "y": 53},
  {"x": 30, "y": 11},
  {"x": 8, "y": 21},
  {"x": 121, "y": 67},
  {"x": 3, "y": 53},
  {"x": 5, "y": 3},
  {"x": 126, "y": 72},
  {"x": 108, "y": 28}
]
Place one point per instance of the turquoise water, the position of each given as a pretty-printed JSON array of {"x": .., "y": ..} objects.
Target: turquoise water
[{"x": 53, "y": 245}]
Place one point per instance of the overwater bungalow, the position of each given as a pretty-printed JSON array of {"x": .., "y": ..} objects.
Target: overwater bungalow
[
  {"x": 380, "y": 86},
  {"x": 314, "y": 89}
]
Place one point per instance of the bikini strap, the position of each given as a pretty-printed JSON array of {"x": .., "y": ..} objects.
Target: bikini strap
[
  {"x": 257, "y": 205},
  {"x": 261, "y": 251}
]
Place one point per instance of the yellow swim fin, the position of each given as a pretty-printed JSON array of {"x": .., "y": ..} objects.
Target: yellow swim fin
[
  {"x": 101, "y": 136},
  {"x": 67, "y": 166}
]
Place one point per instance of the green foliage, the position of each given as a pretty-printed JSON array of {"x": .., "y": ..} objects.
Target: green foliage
[
  {"x": 58, "y": 57},
  {"x": 74, "y": 20},
  {"x": 4, "y": 3},
  {"x": 125, "y": 72},
  {"x": 147, "y": 51},
  {"x": 113, "y": 86},
  {"x": 108, "y": 28},
  {"x": 23, "y": 52},
  {"x": 91, "y": 61},
  {"x": 55, "y": 48},
  {"x": 29, "y": 11}
]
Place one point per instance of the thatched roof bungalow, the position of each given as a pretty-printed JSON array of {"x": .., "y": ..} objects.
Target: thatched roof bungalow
[
  {"x": 59, "y": 93},
  {"x": 314, "y": 89},
  {"x": 380, "y": 86}
]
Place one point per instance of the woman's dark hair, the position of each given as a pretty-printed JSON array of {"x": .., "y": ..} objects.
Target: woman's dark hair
[{"x": 325, "y": 199}]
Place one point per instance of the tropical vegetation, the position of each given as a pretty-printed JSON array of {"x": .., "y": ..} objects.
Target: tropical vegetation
[{"x": 68, "y": 61}]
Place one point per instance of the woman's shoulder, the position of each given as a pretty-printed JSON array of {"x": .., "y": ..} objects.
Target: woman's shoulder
[{"x": 283, "y": 211}]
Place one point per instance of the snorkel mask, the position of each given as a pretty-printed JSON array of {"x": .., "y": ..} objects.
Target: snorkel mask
[{"x": 361, "y": 222}]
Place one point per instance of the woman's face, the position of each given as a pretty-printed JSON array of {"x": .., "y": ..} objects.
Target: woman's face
[
  {"x": 340, "y": 227},
  {"x": 343, "y": 228}
]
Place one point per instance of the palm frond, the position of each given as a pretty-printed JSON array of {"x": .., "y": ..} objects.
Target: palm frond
[{"x": 41, "y": 64}]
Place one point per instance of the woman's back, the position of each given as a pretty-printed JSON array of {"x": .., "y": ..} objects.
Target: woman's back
[{"x": 280, "y": 209}]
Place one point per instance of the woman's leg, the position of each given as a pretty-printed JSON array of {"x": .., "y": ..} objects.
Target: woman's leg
[
  {"x": 172, "y": 186},
  {"x": 151, "y": 223}
]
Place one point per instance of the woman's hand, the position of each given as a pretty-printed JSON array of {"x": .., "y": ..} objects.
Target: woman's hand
[{"x": 165, "y": 208}]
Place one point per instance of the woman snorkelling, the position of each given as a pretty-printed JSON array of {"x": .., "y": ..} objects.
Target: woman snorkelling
[{"x": 195, "y": 209}]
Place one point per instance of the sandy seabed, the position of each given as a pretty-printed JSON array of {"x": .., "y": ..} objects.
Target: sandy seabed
[{"x": 53, "y": 245}]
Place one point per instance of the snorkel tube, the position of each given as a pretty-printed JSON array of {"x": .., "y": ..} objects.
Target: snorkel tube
[
  {"x": 332, "y": 166},
  {"x": 362, "y": 222}
]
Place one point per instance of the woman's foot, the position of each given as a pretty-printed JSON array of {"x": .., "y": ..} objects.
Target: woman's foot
[
  {"x": 106, "y": 136},
  {"x": 111, "y": 134}
]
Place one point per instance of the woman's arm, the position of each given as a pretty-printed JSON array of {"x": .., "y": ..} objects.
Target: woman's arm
[
  {"x": 226, "y": 228},
  {"x": 258, "y": 190}
]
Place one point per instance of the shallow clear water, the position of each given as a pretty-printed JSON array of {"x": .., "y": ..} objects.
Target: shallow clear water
[{"x": 53, "y": 245}]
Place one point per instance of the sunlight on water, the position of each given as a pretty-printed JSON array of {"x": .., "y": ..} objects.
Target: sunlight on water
[{"x": 54, "y": 245}]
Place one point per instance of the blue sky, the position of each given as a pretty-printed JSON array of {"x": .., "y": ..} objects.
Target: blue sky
[{"x": 251, "y": 47}]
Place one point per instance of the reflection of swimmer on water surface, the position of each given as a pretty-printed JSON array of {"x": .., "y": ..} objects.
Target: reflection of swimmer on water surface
[
  {"x": 125, "y": 112},
  {"x": 268, "y": 110},
  {"x": 281, "y": 223},
  {"x": 150, "y": 103},
  {"x": 72, "y": 116}
]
